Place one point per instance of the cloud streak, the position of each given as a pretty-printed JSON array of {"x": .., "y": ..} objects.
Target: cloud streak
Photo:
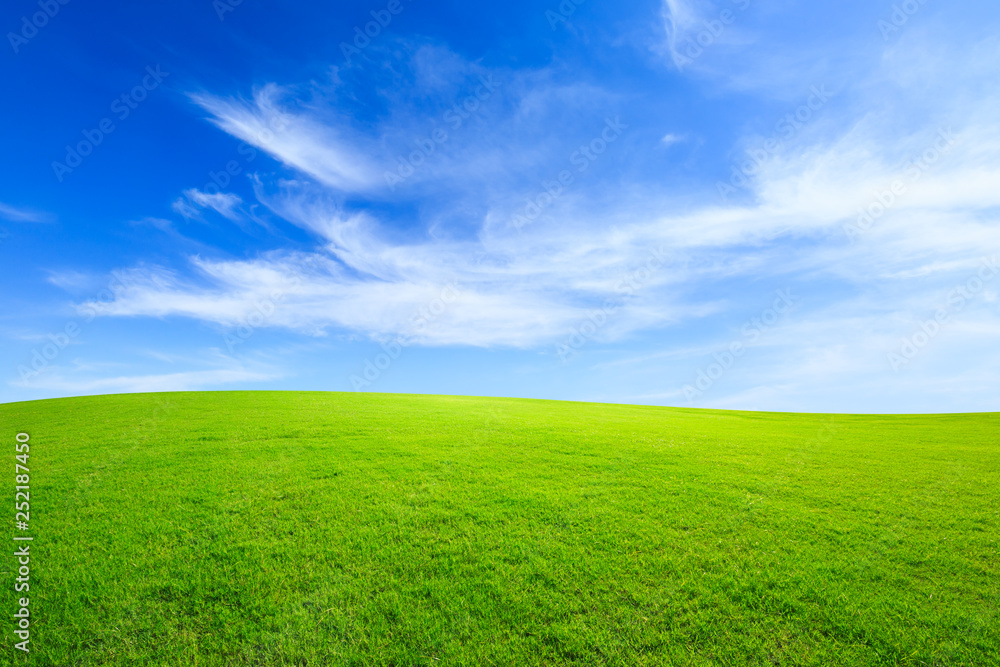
[
  {"x": 19, "y": 214},
  {"x": 225, "y": 204},
  {"x": 325, "y": 151},
  {"x": 368, "y": 273},
  {"x": 182, "y": 381}
]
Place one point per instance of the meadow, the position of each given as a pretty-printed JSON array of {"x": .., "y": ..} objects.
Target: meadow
[{"x": 287, "y": 528}]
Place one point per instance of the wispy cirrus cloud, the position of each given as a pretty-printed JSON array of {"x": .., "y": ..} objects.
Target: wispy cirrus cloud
[
  {"x": 182, "y": 381},
  {"x": 695, "y": 28},
  {"x": 327, "y": 151},
  {"x": 225, "y": 204},
  {"x": 680, "y": 17},
  {"x": 206, "y": 369},
  {"x": 547, "y": 276},
  {"x": 368, "y": 273},
  {"x": 23, "y": 214}
]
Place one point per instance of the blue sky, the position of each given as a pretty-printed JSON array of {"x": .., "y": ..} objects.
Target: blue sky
[{"x": 749, "y": 204}]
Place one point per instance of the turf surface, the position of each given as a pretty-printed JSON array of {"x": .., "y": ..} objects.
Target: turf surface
[{"x": 259, "y": 528}]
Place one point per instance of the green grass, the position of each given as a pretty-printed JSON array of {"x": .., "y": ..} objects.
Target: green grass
[{"x": 351, "y": 529}]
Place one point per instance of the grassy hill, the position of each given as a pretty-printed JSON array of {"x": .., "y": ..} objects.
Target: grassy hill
[{"x": 260, "y": 528}]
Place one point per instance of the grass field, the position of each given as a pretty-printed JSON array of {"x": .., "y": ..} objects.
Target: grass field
[{"x": 265, "y": 528}]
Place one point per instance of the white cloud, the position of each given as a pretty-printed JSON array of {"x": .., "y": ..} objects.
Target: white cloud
[
  {"x": 326, "y": 151},
  {"x": 532, "y": 286},
  {"x": 225, "y": 204},
  {"x": 73, "y": 281},
  {"x": 671, "y": 139},
  {"x": 80, "y": 380},
  {"x": 55, "y": 381},
  {"x": 679, "y": 16},
  {"x": 20, "y": 214},
  {"x": 156, "y": 223},
  {"x": 695, "y": 28}
]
